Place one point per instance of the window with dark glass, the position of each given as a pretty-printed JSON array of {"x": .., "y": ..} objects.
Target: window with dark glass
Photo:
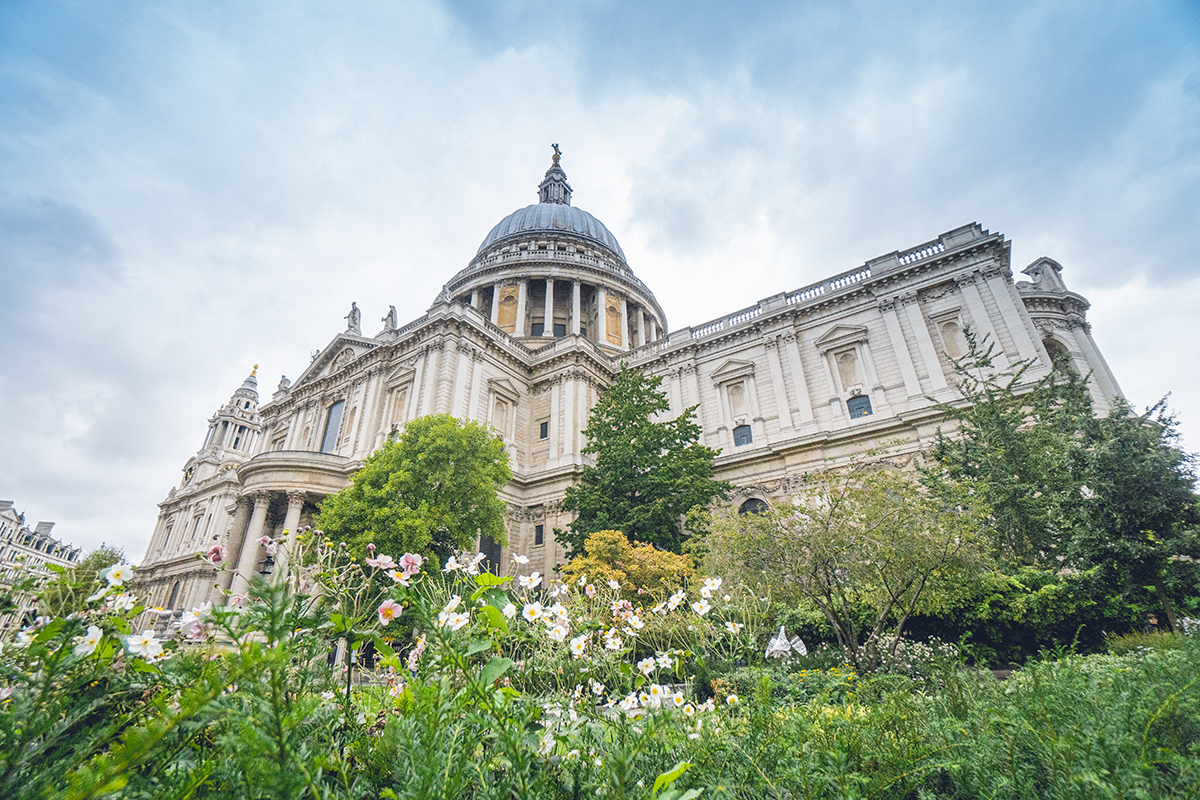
[
  {"x": 859, "y": 406},
  {"x": 491, "y": 550},
  {"x": 539, "y": 534},
  {"x": 753, "y": 506},
  {"x": 560, "y": 330},
  {"x": 742, "y": 435},
  {"x": 544, "y": 430},
  {"x": 537, "y": 328},
  {"x": 332, "y": 421}
]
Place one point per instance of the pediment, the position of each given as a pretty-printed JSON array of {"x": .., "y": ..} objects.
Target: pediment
[
  {"x": 841, "y": 335},
  {"x": 504, "y": 388},
  {"x": 733, "y": 369},
  {"x": 341, "y": 351},
  {"x": 400, "y": 376}
]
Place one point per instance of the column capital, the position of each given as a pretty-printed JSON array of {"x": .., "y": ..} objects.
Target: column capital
[{"x": 296, "y": 496}]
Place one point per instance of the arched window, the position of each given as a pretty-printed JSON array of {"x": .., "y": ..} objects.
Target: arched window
[
  {"x": 753, "y": 506},
  {"x": 174, "y": 595},
  {"x": 859, "y": 406},
  {"x": 742, "y": 435},
  {"x": 1059, "y": 357},
  {"x": 950, "y": 333}
]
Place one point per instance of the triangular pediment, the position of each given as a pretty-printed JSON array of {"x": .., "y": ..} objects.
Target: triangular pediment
[
  {"x": 733, "y": 369},
  {"x": 840, "y": 335},
  {"x": 343, "y": 349},
  {"x": 505, "y": 388},
  {"x": 400, "y": 376}
]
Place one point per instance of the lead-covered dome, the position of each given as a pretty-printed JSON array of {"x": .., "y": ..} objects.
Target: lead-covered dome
[{"x": 553, "y": 217}]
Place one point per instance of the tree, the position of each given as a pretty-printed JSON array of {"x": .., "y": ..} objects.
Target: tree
[
  {"x": 431, "y": 491},
  {"x": 648, "y": 474},
  {"x": 611, "y": 556},
  {"x": 1019, "y": 446},
  {"x": 1138, "y": 512},
  {"x": 66, "y": 592},
  {"x": 868, "y": 548}
]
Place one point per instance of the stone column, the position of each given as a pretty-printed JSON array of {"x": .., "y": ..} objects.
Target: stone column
[
  {"x": 601, "y": 316},
  {"x": 929, "y": 355},
  {"x": 641, "y": 318},
  {"x": 1002, "y": 292},
  {"x": 575, "y": 310},
  {"x": 908, "y": 372},
  {"x": 548, "y": 325},
  {"x": 291, "y": 521},
  {"x": 981, "y": 321},
  {"x": 776, "y": 368},
  {"x": 624, "y": 324},
  {"x": 475, "y": 298},
  {"x": 791, "y": 345},
  {"x": 246, "y": 563},
  {"x": 522, "y": 295},
  {"x": 495, "y": 302}
]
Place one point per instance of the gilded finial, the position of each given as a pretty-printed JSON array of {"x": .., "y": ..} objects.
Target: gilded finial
[
  {"x": 557, "y": 154},
  {"x": 254, "y": 372}
]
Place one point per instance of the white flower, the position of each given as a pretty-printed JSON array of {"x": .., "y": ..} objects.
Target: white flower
[
  {"x": 732, "y": 700},
  {"x": 726, "y": 598},
  {"x": 582, "y": 580},
  {"x": 144, "y": 645},
  {"x": 509, "y": 611},
  {"x": 689, "y": 709},
  {"x": 713, "y": 584},
  {"x": 521, "y": 559},
  {"x": 452, "y": 565},
  {"x": 99, "y": 594},
  {"x": 117, "y": 574},
  {"x": 558, "y": 634},
  {"x": 532, "y": 612},
  {"x": 678, "y": 699},
  {"x": 647, "y": 665},
  {"x": 124, "y": 602},
  {"x": 666, "y": 662},
  {"x": 530, "y": 581},
  {"x": 657, "y": 693},
  {"x": 86, "y": 644},
  {"x": 456, "y": 621},
  {"x": 629, "y": 703},
  {"x": 447, "y": 612},
  {"x": 635, "y": 622},
  {"x": 675, "y": 600},
  {"x": 701, "y": 607},
  {"x": 472, "y": 566},
  {"x": 734, "y": 627},
  {"x": 613, "y": 584},
  {"x": 327, "y": 695},
  {"x": 578, "y": 645},
  {"x": 612, "y": 640}
]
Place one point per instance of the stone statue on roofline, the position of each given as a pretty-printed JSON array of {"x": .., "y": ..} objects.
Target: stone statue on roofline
[
  {"x": 354, "y": 320},
  {"x": 389, "y": 321}
]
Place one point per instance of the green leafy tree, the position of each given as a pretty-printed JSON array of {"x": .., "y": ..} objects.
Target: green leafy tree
[
  {"x": 869, "y": 548},
  {"x": 648, "y": 474},
  {"x": 431, "y": 491},
  {"x": 67, "y": 591},
  {"x": 1138, "y": 512},
  {"x": 1019, "y": 444}
]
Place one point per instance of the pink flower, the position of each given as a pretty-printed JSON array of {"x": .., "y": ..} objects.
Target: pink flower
[
  {"x": 266, "y": 540},
  {"x": 590, "y": 591},
  {"x": 388, "y": 610},
  {"x": 411, "y": 563},
  {"x": 414, "y": 655},
  {"x": 370, "y": 547},
  {"x": 216, "y": 554},
  {"x": 383, "y": 562}
]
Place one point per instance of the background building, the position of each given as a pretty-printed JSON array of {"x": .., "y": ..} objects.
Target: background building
[
  {"x": 24, "y": 549},
  {"x": 527, "y": 335}
]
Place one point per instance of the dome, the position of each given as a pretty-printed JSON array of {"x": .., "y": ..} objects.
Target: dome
[{"x": 552, "y": 218}]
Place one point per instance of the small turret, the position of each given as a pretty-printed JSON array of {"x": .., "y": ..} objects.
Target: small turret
[{"x": 232, "y": 429}]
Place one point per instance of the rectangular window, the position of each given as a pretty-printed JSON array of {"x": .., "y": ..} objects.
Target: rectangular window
[
  {"x": 859, "y": 406},
  {"x": 559, "y": 330},
  {"x": 544, "y": 430},
  {"x": 742, "y": 435},
  {"x": 583, "y": 330},
  {"x": 332, "y": 420},
  {"x": 539, "y": 534},
  {"x": 537, "y": 329}
]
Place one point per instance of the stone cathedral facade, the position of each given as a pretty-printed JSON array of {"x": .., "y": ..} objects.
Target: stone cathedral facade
[{"x": 538, "y": 323}]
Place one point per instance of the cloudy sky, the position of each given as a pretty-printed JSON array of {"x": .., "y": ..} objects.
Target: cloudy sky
[{"x": 191, "y": 188}]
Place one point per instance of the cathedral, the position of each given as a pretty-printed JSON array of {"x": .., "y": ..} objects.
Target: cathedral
[{"x": 528, "y": 334}]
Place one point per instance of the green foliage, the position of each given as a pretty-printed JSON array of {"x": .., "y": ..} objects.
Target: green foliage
[
  {"x": 866, "y": 540},
  {"x": 647, "y": 475},
  {"x": 67, "y": 592},
  {"x": 1017, "y": 443},
  {"x": 432, "y": 491}
]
